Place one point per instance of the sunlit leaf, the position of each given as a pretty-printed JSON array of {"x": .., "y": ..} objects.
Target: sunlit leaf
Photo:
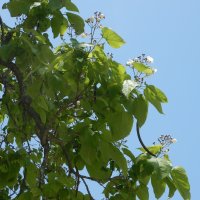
[
  {"x": 180, "y": 179},
  {"x": 113, "y": 39}
]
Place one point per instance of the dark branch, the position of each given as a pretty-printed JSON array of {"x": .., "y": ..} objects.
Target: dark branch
[
  {"x": 25, "y": 100},
  {"x": 141, "y": 142},
  {"x": 87, "y": 188},
  {"x": 2, "y": 30}
]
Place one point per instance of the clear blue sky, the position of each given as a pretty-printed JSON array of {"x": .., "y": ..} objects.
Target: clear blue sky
[{"x": 169, "y": 31}]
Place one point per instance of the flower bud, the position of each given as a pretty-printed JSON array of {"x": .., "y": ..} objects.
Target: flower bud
[{"x": 174, "y": 140}]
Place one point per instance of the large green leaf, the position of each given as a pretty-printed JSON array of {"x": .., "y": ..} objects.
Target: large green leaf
[
  {"x": 76, "y": 22},
  {"x": 140, "y": 109},
  {"x": 180, "y": 179},
  {"x": 162, "y": 167},
  {"x": 158, "y": 186},
  {"x": 70, "y": 6},
  {"x": 18, "y": 8},
  {"x": 155, "y": 96},
  {"x": 158, "y": 93},
  {"x": 118, "y": 157},
  {"x": 59, "y": 24},
  {"x": 120, "y": 124},
  {"x": 171, "y": 186},
  {"x": 113, "y": 39},
  {"x": 88, "y": 149}
]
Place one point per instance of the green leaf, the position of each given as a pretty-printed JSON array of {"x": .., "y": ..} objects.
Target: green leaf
[
  {"x": 142, "y": 192},
  {"x": 162, "y": 167},
  {"x": 118, "y": 157},
  {"x": 31, "y": 175},
  {"x": 18, "y": 8},
  {"x": 25, "y": 195},
  {"x": 59, "y": 24},
  {"x": 158, "y": 93},
  {"x": 155, "y": 97},
  {"x": 98, "y": 172},
  {"x": 158, "y": 186},
  {"x": 76, "y": 22},
  {"x": 128, "y": 153},
  {"x": 112, "y": 38},
  {"x": 88, "y": 146},
  {"x": 180, "y": 179},
  {"x": 171, "y": 186},
  {"x": 70, "y": 6},
  {"x": 140, "y": 109},
  {"x": 42, "y": 103},
  {"x": 154, "y": 149},
  {"x": 120, "y": 124},
  {"x": 143, "y": 68}
]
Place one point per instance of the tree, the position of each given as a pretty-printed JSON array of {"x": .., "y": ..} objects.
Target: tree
[{"x": 66, "y": 110}]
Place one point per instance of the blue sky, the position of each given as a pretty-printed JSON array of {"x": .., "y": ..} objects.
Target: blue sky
[{"x": 169, "y": 31}]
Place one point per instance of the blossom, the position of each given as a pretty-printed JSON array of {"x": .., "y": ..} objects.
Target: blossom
[
  {"x": 78, "y": 103},
  {"x": 129, "y": 62},
  {"x": 154, "y": 70},
  {"x": 128, "y": 86},
  {"x": 174, "y": 140},
  {"x": 90, "y": 20},
  {"x": 149, "y": 59},
  {"x": 102, "y": 16}
]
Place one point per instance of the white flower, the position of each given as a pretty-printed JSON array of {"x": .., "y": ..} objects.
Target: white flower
[
  {"x": 128, "y": 86},
  {"x": 129, "y": 62},
  {"x": 83, "y": 35},
  {"x": 78, "y": 103},
  {"x": 154, "y": 70},
  {"x": 102, "y": 16},
  {"x": 174, "y": 140},
  {"x": 91, "y": 19},
  {"x": 149, "y": 59}
]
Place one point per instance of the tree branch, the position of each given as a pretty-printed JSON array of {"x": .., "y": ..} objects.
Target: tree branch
[{"x": 141, "y": 142}]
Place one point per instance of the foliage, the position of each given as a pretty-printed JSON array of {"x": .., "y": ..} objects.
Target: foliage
[{"x": 63, "y": 111}]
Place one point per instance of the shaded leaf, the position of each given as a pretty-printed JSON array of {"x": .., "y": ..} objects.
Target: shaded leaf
[
  {"x": 142, "y": 192},
  {"x": 140, "y": 109},
  {"x": 171, "y": 186},
  {"x": 158, "y": 186},
  {"x": 76, "y": 22}
]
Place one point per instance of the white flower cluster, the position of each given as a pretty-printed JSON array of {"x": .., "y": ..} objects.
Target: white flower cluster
[
  {"x": 141, "y": 59},
  {"x": 128, "y": 86},
  {"x": 98, "y": 16},
  {"x": 147, "y": 59}
]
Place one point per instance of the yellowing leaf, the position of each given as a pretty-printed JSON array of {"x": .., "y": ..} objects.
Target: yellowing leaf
[{"x": 112, "y": 38}]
